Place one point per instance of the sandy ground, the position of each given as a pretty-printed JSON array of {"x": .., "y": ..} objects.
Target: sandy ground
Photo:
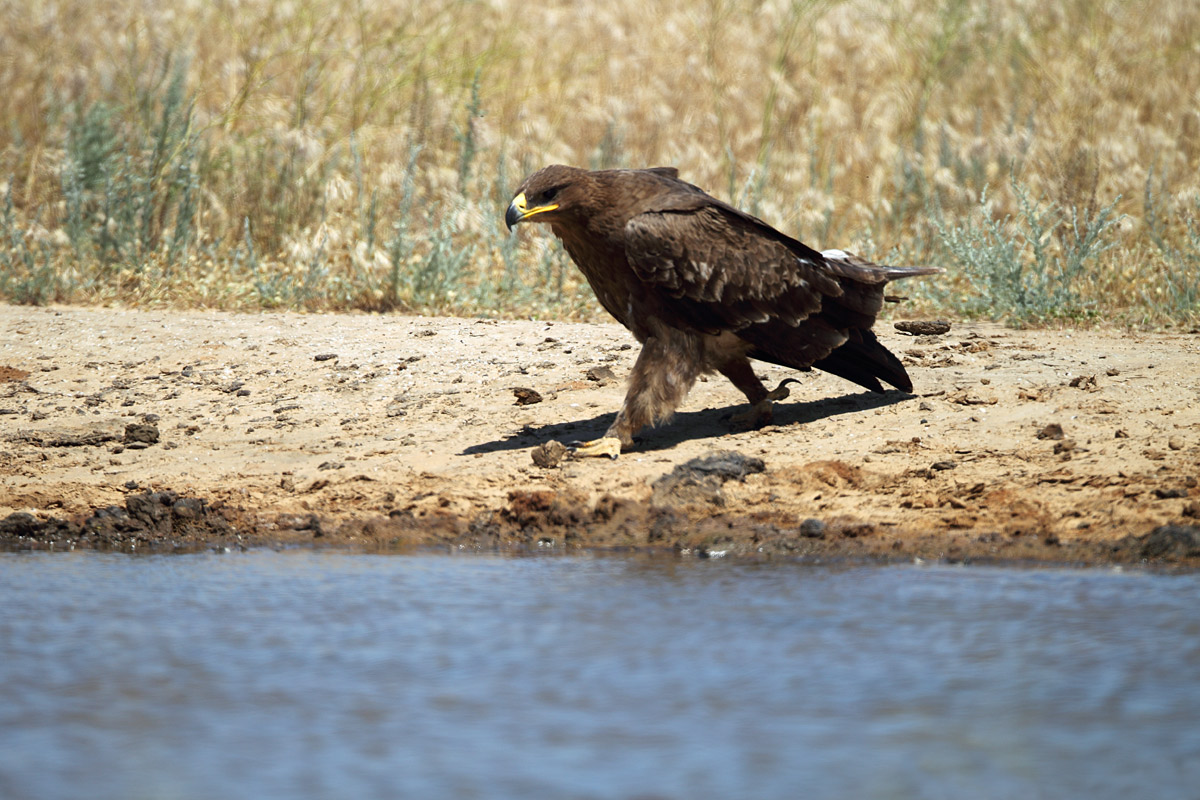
[{"x": 132, "y": 429}]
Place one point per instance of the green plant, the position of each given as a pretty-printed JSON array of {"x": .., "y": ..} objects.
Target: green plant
[
  {"x": 1180, "y": 252},
  {"x": 1028, "y": 267}
]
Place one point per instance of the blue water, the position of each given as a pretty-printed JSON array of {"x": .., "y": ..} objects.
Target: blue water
[{"x": 310, "y": 675}]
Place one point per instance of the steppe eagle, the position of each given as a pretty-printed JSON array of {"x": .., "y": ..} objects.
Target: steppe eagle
[{"x": 704, "y": 287}]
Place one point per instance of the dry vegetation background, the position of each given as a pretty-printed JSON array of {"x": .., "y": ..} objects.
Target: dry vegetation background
[{"x": 333, "y": 154}]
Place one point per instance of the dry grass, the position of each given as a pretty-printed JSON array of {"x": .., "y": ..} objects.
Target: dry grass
[{"x": 340, "y": 154}]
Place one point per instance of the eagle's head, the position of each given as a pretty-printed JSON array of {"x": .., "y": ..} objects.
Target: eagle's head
[{"x": 548, "y": 194}]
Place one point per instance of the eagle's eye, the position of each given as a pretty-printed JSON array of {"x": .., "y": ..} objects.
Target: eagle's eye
[{"x": 550, "y": 193}]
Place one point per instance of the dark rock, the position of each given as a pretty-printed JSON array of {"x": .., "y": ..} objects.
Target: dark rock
[
  {"x": 87, "y": 435},
  {"x": 188, "y": 508},
  {"x": 1167, "y": 494},
  {"x": 700, "y": 479},
  {"x": 21, "y": 523},
  {"x": 1051, "y": 431},
  {"x": 1181, "y": 541},
  {"x": 153, "y": 509},
  {"x": 726, "y": 465},
  {"x": 601, "y": 374},
  {"x": 325, "y": 357},
  {"x": 548, "y": 454},
  {"x": 813, "y": 529},
  {"x": 525, "y": 396},
  {"x": 146, "y": 432},
  {"x": 923, "y": 327}
]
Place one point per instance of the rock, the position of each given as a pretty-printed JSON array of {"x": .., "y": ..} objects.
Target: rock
[
  {"x": 1051, "y": 431},
  {"x": 188, "y": 508},
  {"x": 923, "y": 327},
  {"x": 548, "y": 454},
  {"x": 145, "y": 432},
  {"x": 813, "y": 529},
  {"x": 325, "y": 357},
  {"x": 701, "y": 479},
  {"x": 1168, "y": 494},
  {"x": 726, "y": 465},
  {"x": 1175, "y": 443},
  {"x": 526, "y": 396},
  {"x": 966, "y": 397},
  {"x": 601, "y": 374},
  {"x": 1181, "y": 541},
  {"x": 84, "y": 436},
  {"x": 21, "y": 523}
]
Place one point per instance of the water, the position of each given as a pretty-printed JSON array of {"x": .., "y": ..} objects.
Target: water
[{"x": 309, "y": 675}]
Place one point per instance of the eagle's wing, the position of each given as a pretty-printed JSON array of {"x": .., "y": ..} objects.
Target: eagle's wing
[
  {"x": 726, "y": 271},
  {"x": 715, "y": 268}
]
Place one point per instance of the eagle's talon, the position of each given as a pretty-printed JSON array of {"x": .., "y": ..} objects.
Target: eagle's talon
[
  {"x": 781, "y": 391},
  {"x": 605, "y": 446},
  {"x": 757, "y": 416}
]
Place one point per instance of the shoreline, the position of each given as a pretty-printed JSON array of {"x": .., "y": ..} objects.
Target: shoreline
[{"x": 385, "y": 432}]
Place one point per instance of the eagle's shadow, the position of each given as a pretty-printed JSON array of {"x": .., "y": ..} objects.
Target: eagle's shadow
[{"x": 708, "y": 423}]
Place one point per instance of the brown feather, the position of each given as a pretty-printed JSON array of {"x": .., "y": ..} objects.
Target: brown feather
[{"x": 705, "y": 286}]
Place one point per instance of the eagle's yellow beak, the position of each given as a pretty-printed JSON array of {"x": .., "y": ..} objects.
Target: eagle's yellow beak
[{"x": 518, "y": 211}]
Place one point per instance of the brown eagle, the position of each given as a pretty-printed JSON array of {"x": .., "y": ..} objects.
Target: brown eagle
[{"x": 704, "y": 287}]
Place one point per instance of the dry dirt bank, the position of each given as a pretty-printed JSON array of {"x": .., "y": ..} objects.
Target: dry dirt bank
[{"x": 134, "y": 429}]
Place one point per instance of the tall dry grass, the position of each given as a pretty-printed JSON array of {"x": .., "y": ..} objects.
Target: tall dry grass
[{"x": 353, "y": 154}]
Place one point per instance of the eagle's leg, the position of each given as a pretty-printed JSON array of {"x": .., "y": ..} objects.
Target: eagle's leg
[
  {"x": 741, "y": 373},
  {"x": 662, "y": 376}
]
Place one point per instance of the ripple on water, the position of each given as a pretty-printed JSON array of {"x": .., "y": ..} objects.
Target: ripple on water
[{"x": 312, "y": 675}]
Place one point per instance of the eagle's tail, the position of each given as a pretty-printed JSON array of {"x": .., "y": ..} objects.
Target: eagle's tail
[
  {"x": 848, "y": 265},
  {"x": 863, "y": 360}
]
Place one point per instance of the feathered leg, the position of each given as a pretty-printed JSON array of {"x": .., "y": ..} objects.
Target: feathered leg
[{"x": 663, "y": 374}]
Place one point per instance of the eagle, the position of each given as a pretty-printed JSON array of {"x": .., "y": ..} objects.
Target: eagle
[{"x": 706, "y": 287}]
